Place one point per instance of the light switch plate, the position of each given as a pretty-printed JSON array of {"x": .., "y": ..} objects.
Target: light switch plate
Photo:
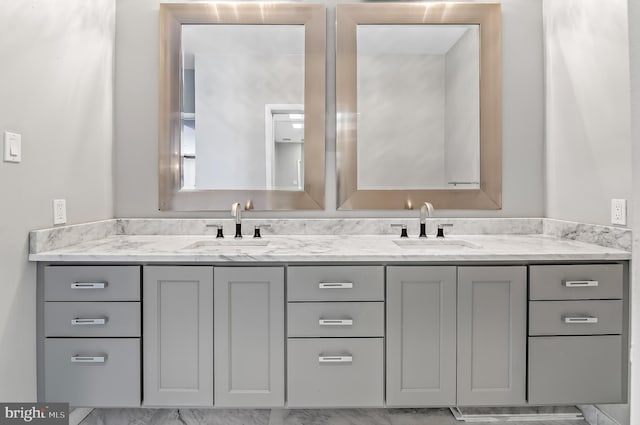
[
  {"x": 619, "y": 211},
  {"x": 59, "y": 211},
  {"x": 12, "y": 147}
]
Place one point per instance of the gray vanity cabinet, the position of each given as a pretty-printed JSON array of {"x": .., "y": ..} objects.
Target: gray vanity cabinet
[
  {"x": 249, "y": 336},
  {"x": 492, "y": 308},
  {"x": 421, "y": 336},
  {"x": 178, "y": 336},
  {"x": 335, "y": 351},
  {"x": 577, "y": 343},
  {"x": 92, "y": 335}
]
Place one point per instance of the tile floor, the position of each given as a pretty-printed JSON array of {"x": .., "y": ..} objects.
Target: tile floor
[{"x": 284, "y": 417}]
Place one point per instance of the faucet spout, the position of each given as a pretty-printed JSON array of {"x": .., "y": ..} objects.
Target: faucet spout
[
  {"x": 425, "y": 211},
  {"x": 236, "y": 211}
]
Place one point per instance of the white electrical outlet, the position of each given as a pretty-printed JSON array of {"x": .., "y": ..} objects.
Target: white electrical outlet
[
  {"x": 59, "y": 211},
  {"x": 619, "y": 211}
]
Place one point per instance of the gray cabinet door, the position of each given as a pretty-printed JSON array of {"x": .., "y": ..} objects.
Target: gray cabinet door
[
  {"x": 178, "y": 336},
  {"x": 576, "y": 370},
  {"x": 421, "y": 336},
  {"x": 249, "y": 336},
  {"x": 492, "y": 330}
]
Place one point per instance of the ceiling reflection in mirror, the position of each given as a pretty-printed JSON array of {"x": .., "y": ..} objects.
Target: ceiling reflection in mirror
[
  {"x": 418, "y": 103},
  {"x": 242, "y": 107}
]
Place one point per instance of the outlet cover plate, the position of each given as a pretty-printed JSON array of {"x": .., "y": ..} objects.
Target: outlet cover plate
[
  {"x": 619, "y": 211},
  {"x": 59, "y": 211}
]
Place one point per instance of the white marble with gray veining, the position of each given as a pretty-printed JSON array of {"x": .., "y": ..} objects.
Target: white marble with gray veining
[
  {"x": 329, "y": 248},
  {"x": 330, "y": 226},
  {"x": 283, "y": 417},
  {"x": 609, "y": 236},
  {"x": 61, "y": 236}
]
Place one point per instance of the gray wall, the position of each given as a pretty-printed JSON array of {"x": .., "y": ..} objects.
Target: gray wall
[
  {"x": 588, "y": 139},
  {"x": 56, "y": 90},
  {"x": 634, "y": 44},
  {"x": 230, "y": 134},
  {"x": 136, "y": 125},
  {"x": 401, "y": 147},
  {"x": 462, "y": 119},
  {"x": 588, "y": 153}
]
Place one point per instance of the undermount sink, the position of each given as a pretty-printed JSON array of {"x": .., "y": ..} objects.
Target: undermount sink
[
  {"x": 225, "y": 243},
  {"x": 436, "y": 243}
]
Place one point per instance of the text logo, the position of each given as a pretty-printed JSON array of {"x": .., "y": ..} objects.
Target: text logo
[{"x": 34, "y": 413}]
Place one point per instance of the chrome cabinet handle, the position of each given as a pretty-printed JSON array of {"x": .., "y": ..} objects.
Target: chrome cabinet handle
[
  {"x": 335, "y": 285},
  {"x": 101, "y": 321},
  {"x": 88, "y": 359},
  {"x": 335, "y": 322},
  {"x": 88, "y": 285},
  {"x": 335, "y": 359},
  {"x": 580, "y": 319},
  {"x": 580, "y": 283}
]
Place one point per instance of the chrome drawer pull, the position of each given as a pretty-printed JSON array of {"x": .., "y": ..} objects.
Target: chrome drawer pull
[
  {"x": 86, "y": 359},
  {"x": 335, "y": 285},
  {"x": 580, "y": 283},
  {"x": 335, "y": 322},
  {"x": 580, "y": 319},
  {"x": 88, "y": 285},
  {"x": 76, "y": 322},
  {"x": 335, "y": 359}
]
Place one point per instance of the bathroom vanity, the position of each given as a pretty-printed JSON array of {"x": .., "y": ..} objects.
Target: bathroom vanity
[{"x": 333, "y": 321}]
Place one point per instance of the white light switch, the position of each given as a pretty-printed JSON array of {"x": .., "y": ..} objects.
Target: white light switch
[{"x": 12, "y": 147}]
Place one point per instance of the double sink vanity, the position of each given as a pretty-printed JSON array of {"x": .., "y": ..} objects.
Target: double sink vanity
[
  {"x": 325, "y": 313},
  {"x": 328, "y": 320}
]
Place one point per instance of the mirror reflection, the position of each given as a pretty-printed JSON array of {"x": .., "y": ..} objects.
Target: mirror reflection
[
  {"x": 242, "y": 114},
  {"x": 418, "y": 103}
]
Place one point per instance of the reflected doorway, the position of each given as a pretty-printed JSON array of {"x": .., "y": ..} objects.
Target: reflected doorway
[{"x": 284, "y": 146}]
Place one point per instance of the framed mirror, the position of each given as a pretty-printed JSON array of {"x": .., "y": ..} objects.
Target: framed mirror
[
  {"x": 242, "y": 106},
  {"x": 419, "y": 105}
]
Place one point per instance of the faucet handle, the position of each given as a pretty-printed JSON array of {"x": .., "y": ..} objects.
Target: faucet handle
[
  {"x": 403, "y": 230},
  {"x": 256, "y": 229},
  {"x": 441, "y": 229},
  {"x": 219, "y": 227}
]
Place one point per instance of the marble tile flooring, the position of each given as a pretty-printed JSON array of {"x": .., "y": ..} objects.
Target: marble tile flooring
[{"x": 284, "y": 417}]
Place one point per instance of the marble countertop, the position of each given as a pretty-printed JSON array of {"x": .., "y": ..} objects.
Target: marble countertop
[{"x": 329, "y": 248}]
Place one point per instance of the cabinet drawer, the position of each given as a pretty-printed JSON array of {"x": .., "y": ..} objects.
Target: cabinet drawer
[
  {"x": 575, "y": 370},
  {"x": 575, "y": 317},
  {"x": 93, "y": 372},
  {"x": 92, "y": 319},
  {"x": 332, "y": 319},
  {"x": 92, "y": 283},
  {"x": 342, "y": 283},
  {"x": 575, "y": 282},
  {"x": 332, "y": 372}
]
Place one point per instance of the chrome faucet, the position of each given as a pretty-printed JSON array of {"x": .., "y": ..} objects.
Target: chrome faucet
[
  {"x": 236, "y": 212},
  {"x": 425, "y": 211}
]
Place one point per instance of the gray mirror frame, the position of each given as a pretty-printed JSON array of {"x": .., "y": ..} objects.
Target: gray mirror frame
[
  {"x": 171, "y": 18},
  {"x": 489, "y": 17}
]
